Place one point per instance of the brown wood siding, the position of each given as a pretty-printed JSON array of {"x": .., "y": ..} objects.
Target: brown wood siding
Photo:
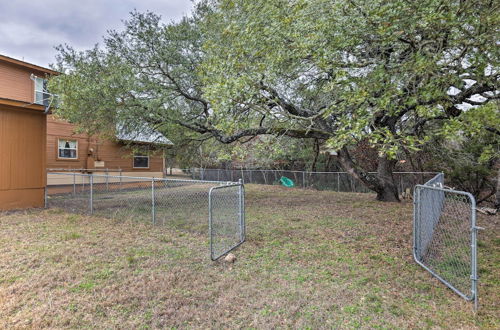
[
  {"x": 22, "y": 158},
  {"x": 21, "y": 199},
  {"x": 15, "y": 82},
  {"x": 113, "y": 154},
  {"x": 116, "y": 155},
  {"x": 58, "y": 129}
]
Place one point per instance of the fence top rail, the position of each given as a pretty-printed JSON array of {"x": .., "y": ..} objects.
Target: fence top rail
[
  {"x": 224, "y": 183},
  {"x": 51, "y": 170},
  {"x": 294, "y": 171},
  {"x": 449, "y": 190}
]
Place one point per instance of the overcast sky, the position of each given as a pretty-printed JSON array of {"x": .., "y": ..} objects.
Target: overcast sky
[{"x": 29, "y": 29}]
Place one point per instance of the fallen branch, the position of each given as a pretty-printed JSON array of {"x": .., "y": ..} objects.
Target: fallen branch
[{"x": 487, "y": 210}]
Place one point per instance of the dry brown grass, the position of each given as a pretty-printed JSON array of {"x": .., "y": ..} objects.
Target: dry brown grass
[{"x": 312, "y": 260}]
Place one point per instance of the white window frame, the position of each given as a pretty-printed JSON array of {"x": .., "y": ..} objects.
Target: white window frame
[
  {"x": 43, "y": 91},
  {"x": 142, "y": 156},
  {"x": 59, "y": 148}
]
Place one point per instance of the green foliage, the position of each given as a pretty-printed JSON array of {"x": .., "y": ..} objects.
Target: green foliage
[
  {"x": 373, "y": 70},
  {"x": 396, "y": 74},
  {"x": 472, "y": 148},
  {"x": 143, "y": 75},
  {"x": 474, "y": 122},
  {"x": 262, "y": 152},
  {"x": 468, "y": 162}
]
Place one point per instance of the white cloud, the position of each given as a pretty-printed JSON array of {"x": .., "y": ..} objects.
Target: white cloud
[
  {"x": 29, "y": 29},
  {"x": 18, "y": 35}
]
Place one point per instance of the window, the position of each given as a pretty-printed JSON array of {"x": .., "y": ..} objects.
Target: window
[
  {"x": 41, "y": 94},
  {"x": 68, "y": 149},
  {"x": 141, "y": 161}
]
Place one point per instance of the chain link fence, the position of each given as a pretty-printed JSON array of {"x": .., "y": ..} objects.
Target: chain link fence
[
  {"x": 176, "y": 203},
  {"x": 224, "y": 207},
  {"x": 334, "y": 181},
  {"x": 445, "y": 236}
]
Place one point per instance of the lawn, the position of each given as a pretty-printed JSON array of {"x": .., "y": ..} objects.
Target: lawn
[{"x": 312, "y": 260}]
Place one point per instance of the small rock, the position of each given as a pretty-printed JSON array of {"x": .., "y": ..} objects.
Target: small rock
[{"x": 230, "y": 258}]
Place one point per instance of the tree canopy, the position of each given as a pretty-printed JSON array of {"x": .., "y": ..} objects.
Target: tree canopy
[{"x": 395, "y": 74}]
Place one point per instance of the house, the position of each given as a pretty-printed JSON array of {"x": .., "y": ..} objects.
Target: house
[
  {"x": 24, "y": 104},
  {"x": 141, "y": 154}
]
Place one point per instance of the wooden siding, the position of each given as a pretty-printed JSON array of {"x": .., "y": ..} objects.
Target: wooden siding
[
  {"x": 15, "y": 82},
  {"x": 22, "y": 158},
  {"x": 57, "y": 129},
  {"x": 114, "y": 154}
]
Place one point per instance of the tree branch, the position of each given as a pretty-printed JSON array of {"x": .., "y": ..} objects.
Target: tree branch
[
  {"x": 251, "y": 132},
  {"x": 181, "y": 91},
  {"x": 277, "y": 100}
]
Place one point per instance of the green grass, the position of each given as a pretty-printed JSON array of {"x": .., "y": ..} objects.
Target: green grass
[
  {"x": 70, "y": 236},
  {"x": 311, "y": 260}
]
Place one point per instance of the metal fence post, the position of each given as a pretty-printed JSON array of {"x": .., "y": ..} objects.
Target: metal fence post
[
  {"x": 242, "y": 211},
  {"x": 401, "y": 183},
  {"x": 303, "y": 179},
  {"x": 45, "y": 201},
  {"x": 474, "y": 229},
  {"x": 416, "y": 222},
  {"x": 153, "y": 200},
  {"x": 338, "y": 182},
  {"x": 210, "y": 231},
  {"x": 107, "y": 180},
  {"x": 91, "y": 202},
  {"x": 74, "y": 184}
]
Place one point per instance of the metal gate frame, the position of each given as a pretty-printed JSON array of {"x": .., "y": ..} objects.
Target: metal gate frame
[
  {"x": 240, "y": 219},
  {"x": 437, "y": 184}
]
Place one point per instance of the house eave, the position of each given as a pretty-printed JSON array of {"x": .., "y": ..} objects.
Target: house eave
[
  {"x": 28, "y": 65},
  {"x": 16, "y": 104}
]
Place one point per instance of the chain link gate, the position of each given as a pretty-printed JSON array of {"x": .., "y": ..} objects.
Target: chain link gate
[
  {"x": 176, "y": 203},
  {"x": 226, "y": 207},
  {"x": 445, "y": 236}
]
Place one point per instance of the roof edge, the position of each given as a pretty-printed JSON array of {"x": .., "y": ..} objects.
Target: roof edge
[
  {"x": 28, "y": 65},
  {"x": 145, "y": 142}
]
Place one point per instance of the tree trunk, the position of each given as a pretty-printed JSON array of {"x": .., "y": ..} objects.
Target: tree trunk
[
  {"x": 316, "y": 154},
  {"x": 383, "y": 183},
  {"x": 388, "y": 190},
  {"x": 328, "y": 161}
]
